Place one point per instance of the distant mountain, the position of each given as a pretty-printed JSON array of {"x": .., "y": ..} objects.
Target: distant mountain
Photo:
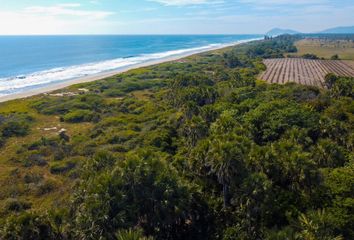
[
  {"x": 349, "y": 29},
  {"x": 279, "y": 31}
]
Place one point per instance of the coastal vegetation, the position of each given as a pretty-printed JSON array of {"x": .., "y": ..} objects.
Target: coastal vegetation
[{"x": 192, "y": 149}]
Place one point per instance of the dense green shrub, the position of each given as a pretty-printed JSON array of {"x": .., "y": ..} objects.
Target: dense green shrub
[
  {"x": 343, "y": 87},
  {"x": 330, "y": 79},
  {"x": 32, "y": 178},
  {"x": 29, "y": 226},
  {"x": 79, "y": 116},
  {"x": 309, "y": 56},
  {"x": 270, "y": 120},
  {"x": 62, "y": 167},
  {"x": 132, "y": 234},
  {"x": 12, "y": 128},
  {"x": 140, "y": 190},
  {"x": 14, "y": 125},
  {"x": 34, "y": 159},
  {"x": 16, "y": 205},
  {"x": 46, "y": 187},
  {"x": 335, "y": 57}
]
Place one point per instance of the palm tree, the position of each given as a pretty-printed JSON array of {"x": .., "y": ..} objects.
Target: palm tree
[
  {"x": 132, "y": 234},
  {"x": 225, "y": 159},
  {"x": 315, "y": 227}
]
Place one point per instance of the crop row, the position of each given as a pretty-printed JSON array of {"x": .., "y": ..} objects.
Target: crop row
[{"x": 303, "y": 71}]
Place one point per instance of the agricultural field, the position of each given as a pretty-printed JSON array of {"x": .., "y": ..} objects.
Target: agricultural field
[
  {"x": 304, "y": 71},
  {"x": 350, "y": 63},
  {"x": 325, "y": 48}
]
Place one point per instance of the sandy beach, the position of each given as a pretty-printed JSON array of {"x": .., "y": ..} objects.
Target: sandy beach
[{"x": 91, "y": 78}]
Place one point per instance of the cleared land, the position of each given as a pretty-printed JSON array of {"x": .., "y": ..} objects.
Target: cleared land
[
  {"x": 304, "y": 71},
  {"x": 326, "y": 48}
]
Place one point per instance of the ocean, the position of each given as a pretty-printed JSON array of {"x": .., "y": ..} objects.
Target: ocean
[{"x": 32, "y": 62}]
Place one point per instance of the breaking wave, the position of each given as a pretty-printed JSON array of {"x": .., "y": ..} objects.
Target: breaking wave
[{"x": 22, "y": 83}]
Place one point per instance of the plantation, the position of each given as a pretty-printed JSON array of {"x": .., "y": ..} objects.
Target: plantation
[
  {"x": 304, "y": 71},
  {"x": 198, "y": 149}
]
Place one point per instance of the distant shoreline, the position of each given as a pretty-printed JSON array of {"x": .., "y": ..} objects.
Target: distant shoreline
[{"x": 104, "y": 75}]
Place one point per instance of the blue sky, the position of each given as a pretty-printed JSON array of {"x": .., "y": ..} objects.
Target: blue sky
[{"x": 170, "y": 16}]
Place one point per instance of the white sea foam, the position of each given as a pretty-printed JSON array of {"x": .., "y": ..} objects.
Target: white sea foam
[{"x": 21, "y": 83}]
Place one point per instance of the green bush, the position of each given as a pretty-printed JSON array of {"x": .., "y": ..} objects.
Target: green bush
[
  {"x": 77, "y": 116},
  {"x": 310, "y": 56},
  {"x": 14, "y": 128},
  {"x": 270, "y": 120},
  {"x": 114, "y": 93},
  {"x": 335, "y": 57},
  {"x": 343, "y": 87},
  {"x": 35, "y": 159},
  {"x": 32, "y": 178},
  {"x": 62, "y": 167},
  {"x": 46, "y": 187},
  {"x": 132, "y": 234},
  {"x": 28, "y": 226},
  {"x": 14, "y": 125},
  {"x": 330, "y": 80},
  {"x": 16, "y": 205}
]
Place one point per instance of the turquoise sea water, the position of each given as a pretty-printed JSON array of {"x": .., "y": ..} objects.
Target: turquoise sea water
[{"x": 30, "y": 62}]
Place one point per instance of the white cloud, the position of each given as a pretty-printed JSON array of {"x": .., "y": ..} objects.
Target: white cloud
[
  {"x": 186, "y": 2},
  {"x": 283, "y": 2},
  {"x": 55, "y": 19},
  {"x": 69, "y": 9}
]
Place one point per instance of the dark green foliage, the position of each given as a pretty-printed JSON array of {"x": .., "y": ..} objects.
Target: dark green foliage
[
  {"x": 12, "y": 128},
  {"x": 339, "y": 182},
  {"x": 270, "y": 120},
  {"x": 63, "y": 105},
  {"x": 343, "y": 87},
  {"x": 34, "y": 159},
  {"x": 79, "y": 116},
  {"x": 14, "y": 125},
  {"x": 317, "y": 226},
  {"x": 62, "y": 167},
  {"x": 32, "y": 178},
  {"x": 335, "y": 57},
  {"x": 309, "y": 56},
  {"x": 46, "y": 187},
  {"x": 234, "y": 60},
  {"x": 29, "y": 226},
  {"x": 74, "y": 109},
  {"x": 327, "y": 154},
  {"x": 141, "y": 190},
  {"x": 132, "y": 234},
  {"x": 274, "y": 48},
  {"x": 340, "y": 86},
  {"x": 330, "y": 79},
  {"x": 15, "y": 205}
]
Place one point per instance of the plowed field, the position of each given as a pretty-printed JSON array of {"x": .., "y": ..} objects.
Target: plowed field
[{"x": 304, "y": 71}]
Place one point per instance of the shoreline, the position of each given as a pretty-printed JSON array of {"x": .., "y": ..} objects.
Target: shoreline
[{"x": 103, "y": 75}]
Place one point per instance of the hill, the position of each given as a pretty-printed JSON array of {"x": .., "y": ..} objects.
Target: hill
[
  {"x": 279, "y": 31},
  {"x": 339, "y": 30}
]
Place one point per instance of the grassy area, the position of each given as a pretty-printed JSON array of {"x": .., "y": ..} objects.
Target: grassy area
[
  {"x": 12, "y": 170},
  {"x": 326, "y": 48}
]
